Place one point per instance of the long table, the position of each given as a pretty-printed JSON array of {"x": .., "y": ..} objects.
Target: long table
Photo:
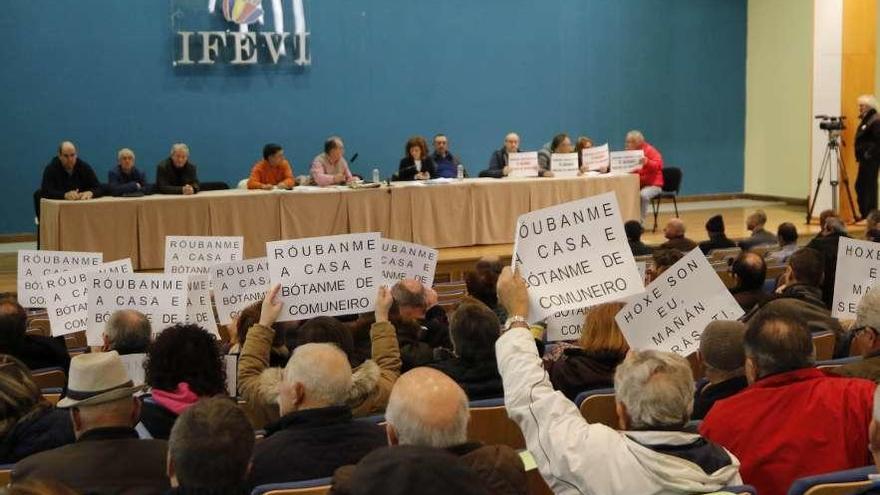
[{"x": 461, "y": 213}]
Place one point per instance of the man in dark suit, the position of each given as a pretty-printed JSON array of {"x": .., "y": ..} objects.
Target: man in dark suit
[
  {"x": 760, "y": 236},
  {"x": 36, "y": 351},
  {"x": 68, "y": 177},
  {"x": 717, "y": 238},
  {"x": 498, "y": 166},
  {"x": 108, "y": 457},
  {"x": 675, "y": 239}
]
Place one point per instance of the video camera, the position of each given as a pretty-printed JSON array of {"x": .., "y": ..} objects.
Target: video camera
[{"x": 831, "y": 123}]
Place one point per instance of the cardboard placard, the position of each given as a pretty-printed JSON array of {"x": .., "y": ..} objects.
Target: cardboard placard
[
  {"x": 33, "y": 265},
  {"x": 626, "y": 161},
  {"x": 564, "y": 165},
  {"x": 566, "y": 325},
  {"x": 67, "y": 296},
  {"x": 596, "y": 158},
  {"x": 523, "y": 164},
  {"x": 858, "y": 269},
  {"x": 185, "y": 255},
  {"x": 198, "y": 303},
  {"x": 238, "y": 285},
  {"x": 400, "y": 260}
]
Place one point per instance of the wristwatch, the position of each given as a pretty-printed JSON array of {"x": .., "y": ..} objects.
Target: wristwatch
[{"x": 515, "y": 322}]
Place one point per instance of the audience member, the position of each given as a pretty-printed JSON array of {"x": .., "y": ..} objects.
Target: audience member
[
  {"x": 273, "y": 171},
  {"x": 803, "y": 277},
  {"x": 176, "y": 174},
  {"x": 724, "y": 359},
  {"x": 661, "y": 259},
  {"x": 447, "y": 163},
  {"x": 481, "y": 285},
  {"x": 68, "y": 177},
  {"x": 28, "y": 422},
  {"x": 788, "y": 235},
  {"x": 418, "y": 336},
  {"x": 250, "y": 316},
  {"x": 498, "y": 162},
  {"x": 824, "y": 215},
  {"x": 125, "y": 179},
  {"x": 183, "y": 365},
  {"x": 108, "y": 457},
  {"x": 330, "y": 168},
  {"x": 865, "y": 340},
  {"x": 793, "y": 420},
  {"x": 749, "y": 272},
  {"x": 209, "y": 450},
  {"x": 717, "y": 238},
  {"x": 416, "y": 164},
  {"x": 634, "y": 232},
  {"x": 650, "y": 172},
  {"x": 561, "y": 143},
  {"x": 872, "y": 226},
  {"x": 655, "y": 394},
  {"x": 832, "y": 231},
  {"x": 675, "y": 239},
  {"x": 582, "y": 143},
  {"x": 36, "y": 351},
  {"x": 591, "y": 364},
  {"x": 760, "y": 236},
  {"x": 127, "y": 332}
]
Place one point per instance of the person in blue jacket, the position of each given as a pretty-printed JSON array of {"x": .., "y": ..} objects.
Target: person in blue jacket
[{"x": 125, "y": 179}]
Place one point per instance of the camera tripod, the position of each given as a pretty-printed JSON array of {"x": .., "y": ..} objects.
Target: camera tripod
[{"x": 832, "y": 154}]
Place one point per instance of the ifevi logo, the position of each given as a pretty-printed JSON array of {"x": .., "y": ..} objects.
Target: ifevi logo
[{"x": 245, "y": 46}]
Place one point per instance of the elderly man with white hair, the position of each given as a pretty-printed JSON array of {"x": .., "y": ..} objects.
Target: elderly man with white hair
[
  {"x": 865, "y": 340},
  {"x": 498, "y": 162},
  {"x": 125, "y": 179},
  {"x": 867, "y": 154},
  {"x": 650, "y": 455},
  {"x": 176, "y": 174},
  {"x": 651, "y": 170}
]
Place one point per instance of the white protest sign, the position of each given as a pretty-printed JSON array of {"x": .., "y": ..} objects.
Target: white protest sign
[
  {"x": 643, "y": 269},
  {"x": 134, "y": 366},
  {"x": 329, "y": 276},
  {"x": 564, "y": 164},
  {"x": 566, "y": 325},
  {"x": 523, "y": 164},
  {"x": 67, "y": 295},
  {"x": 194, "y": 254},
  {"x": 858, "y": 268},
  {"x": 626, "y": 161},
  {"x": 575, "y": 255},
  {"x": 676, "y": 307},
  {"x": 231, "y": 362},
  {"x": 198, "y": 303},
  {"x": 238, "y": 285},
  {"x": 596, "y": 158},
  {"x": 32, "y": 265},
  {"x": 161, "y": 298},
  {"x": 400, "y": 260}
]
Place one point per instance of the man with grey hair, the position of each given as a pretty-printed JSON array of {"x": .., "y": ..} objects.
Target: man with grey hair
[
  {"x": 330, "y": 168},
  {"x": 498, "y": 162},
  {"x": 654, "y": 399},
  {"x": 125, "y": 179},
  {"x": 316, "y": 433},
  {"x": 651, "y": 169},
  {"x": 722, "y": 354},
  {"x": 865, "y": 340},
  {"x": 675, "y": 238},
  {"x": 68, "y": 177},
  {"x": 176, "y": 174},
  {"x": 760, "y": 236},
  {"x": 127, "y": 332}
]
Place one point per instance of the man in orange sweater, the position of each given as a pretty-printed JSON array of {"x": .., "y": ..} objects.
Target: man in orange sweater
[{"x": 273, "y": 171}]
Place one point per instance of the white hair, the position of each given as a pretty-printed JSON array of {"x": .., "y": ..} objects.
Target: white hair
[
  {"x": 324, "y": 380},
  {"x": 123, "y": 152},
  {"x": 403, "y": 414},
  {"x": 180, "y": 147},
  {"x": 657, "y": 389},
  {"x": 868, "y": 100},
  {"x": 637, "y": 135}
]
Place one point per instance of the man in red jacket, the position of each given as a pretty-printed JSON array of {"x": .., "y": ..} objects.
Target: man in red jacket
[
  {"x": 793, "y": 420},
  {"x": 651, "y": 171}
]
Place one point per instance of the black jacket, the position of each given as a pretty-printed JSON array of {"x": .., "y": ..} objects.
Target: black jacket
[
  {"x": 639, "y": 248},
  {"x": 407, "y": 168},
  {"x": 479, "y": 380},
  {"x": 497, "y": 162},
  {"x": 311, "y": 444},
  {"x": 170, "y": 179},
  {"x": 578, "y": 370},
  {"x": 56, "y": 180},
  {"x": 827, "y": 246},
  {"x": 707, "y": 394},
  {"x": 716, "y": 241},
  {"x": 44, "y": 429},
  {"x": 868, "y": 138},
  {"x": 37, "y": 351},
  {"x": 156, "y": 419}
]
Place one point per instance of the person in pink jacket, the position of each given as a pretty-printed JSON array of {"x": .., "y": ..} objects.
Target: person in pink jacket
[
  {"x": 330, "y": 168},
  {"x": 651, "y": 171}
]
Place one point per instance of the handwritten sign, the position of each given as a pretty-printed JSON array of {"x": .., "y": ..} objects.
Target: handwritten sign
[
  {"x": 238, "y": 285},
  {"x": 858, "y": 269},
  {"x": 400, "y": 260},
  {"x": 626, "y": 161},
  {"x": 193, "y": 254},
  {"x": 523, "y": 164},
  {"x": 575, "y": 255},
  {"x": 329, "y": 276},
  {"x": 566, "y": 325},
  {"x": 161, "y": 298},
  {"x": 596, "y": 158},
  {"x": 33, "y": 265},
  {"x": 198, "y": 303},
  {"x": 67, "y": 295},
  {"x": 564, "y": 164},
  {"x": 676, "y": 307}
]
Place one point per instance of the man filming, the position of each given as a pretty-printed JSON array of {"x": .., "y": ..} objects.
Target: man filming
[{"x": 867, "y": 154}]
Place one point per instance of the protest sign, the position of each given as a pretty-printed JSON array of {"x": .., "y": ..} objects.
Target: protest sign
[
  {"x": 566, "y": 325},
  {"x": 858, "y": 268},
  {"x": 596, "y": 158},
  {"x": 400, "y": 260},
  {"x": 575, "y": 255},
  {"x": 564, "y": 164},
  {"x": 67, "y": 295},
  {"x": 33, "y": 265},
  {"x": 237, "y": 285},
  {"x": 626, "y": 161},
  {"x": 523, "y": 164},
  {"x": 198, "y": 303},
  {"x": 161, "y": 298},
  {"x": 676, "y": 307},
  {"x": 326, "y": 276},
  {"x": 196, "y": 254}
]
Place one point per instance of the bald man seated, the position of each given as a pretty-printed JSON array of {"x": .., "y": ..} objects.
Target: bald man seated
[
  {"x": 675, "y": 239},
  {"x": 68, "y": 177},
  {"x": 498, "y": 162},
  {"x": 428, "y": 409}
]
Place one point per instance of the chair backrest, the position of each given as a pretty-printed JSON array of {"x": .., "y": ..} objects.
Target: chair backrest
[
  {"x": 489, "y": 424},
  {"x": 318, "y": 486},
  {"x": 671, "y": 179},
  {"x": 53, "y": 398},
  {"x": 6, "y": 474},
  {"x": 450, "y": 294},
  {"x": 50, "y": 378},
  {"x": 598, "y": 406},
  {"x": 836, "y": 483},
  {"x": 723, "y": 254},
  {"x": 39, "y": 326},
  {"x": 823, "y": 343}
]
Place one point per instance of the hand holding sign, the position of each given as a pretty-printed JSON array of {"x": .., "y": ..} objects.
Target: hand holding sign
[
  {"x": 271, "y": 307},
  {"x": 513, "y": 293},
  {"x": 383, "y": 304}
]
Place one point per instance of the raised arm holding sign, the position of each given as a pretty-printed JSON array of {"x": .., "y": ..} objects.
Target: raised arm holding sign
[
  {"x": 402, "y": 260},
  {"x": 237, "y": 285}
]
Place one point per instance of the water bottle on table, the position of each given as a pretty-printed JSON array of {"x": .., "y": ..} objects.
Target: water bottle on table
[
  {"x": 376, "y": 175},
  {"x": 459, "y": 173}
]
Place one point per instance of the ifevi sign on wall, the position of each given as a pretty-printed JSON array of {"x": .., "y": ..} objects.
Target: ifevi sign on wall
[{"x": 246, "y": 46}]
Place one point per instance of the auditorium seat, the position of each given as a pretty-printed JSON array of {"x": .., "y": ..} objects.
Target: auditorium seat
[
  {"x": 724, "y": 254},
  {"x": 823, "y": 342},
  {"x": 50, "y": 377},
  {"x": 489, "y": 424},
  {"x": 598, "y": 406},
  {"x": 318, "y": 486},
  {"x": 39, "y": 326},
  {"x": 671, "y": 185},
  {"x": 450, "y": 294},
  {"x": 836, "y": 483},
  {"x": 5, "y": 474},
  {"x": 52, "y": 397},
  {"x": 832, "y": 364}
]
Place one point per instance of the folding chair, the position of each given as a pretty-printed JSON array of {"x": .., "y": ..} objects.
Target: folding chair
[{"x": 671, "y": 185}]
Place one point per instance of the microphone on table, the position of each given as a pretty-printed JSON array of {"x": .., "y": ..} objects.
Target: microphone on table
[{"x": 353, "y": 158}]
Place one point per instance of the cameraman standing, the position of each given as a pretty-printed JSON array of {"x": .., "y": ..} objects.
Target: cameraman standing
[{"x": 867, "y": 154}]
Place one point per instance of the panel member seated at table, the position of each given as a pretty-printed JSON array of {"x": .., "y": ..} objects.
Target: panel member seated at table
[
  {"x": 561, "y": 143},
  {"x": 330, "y": 168},
  {"x": 416, "y": 165},
  {"x": 273, "y": 171},
  {"x": 125, "y": 179},
  {"x": 68, "y": 177},
  {"x": 176, "y": 174},
  {"x": 651, "y": 171},
  {"x": 446, "y": 163},
  {"x": 498, "y": 166},
  {"x": 583, "y": 142}
]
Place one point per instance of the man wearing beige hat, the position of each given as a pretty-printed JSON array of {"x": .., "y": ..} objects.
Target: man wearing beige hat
[
  {"x": 865, "y": 340},
  {"x": 108, "y": 457}
]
